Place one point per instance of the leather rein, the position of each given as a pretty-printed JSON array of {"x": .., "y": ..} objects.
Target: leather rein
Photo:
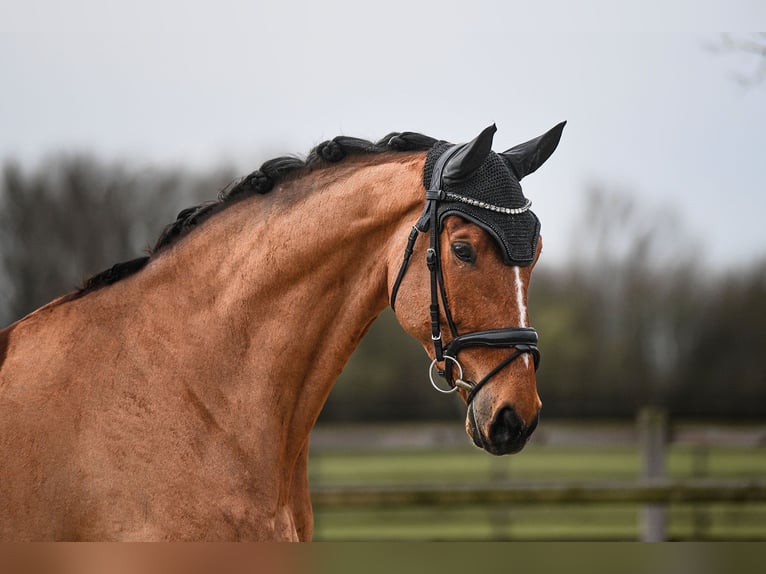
[{"x": 521, "y": 339}]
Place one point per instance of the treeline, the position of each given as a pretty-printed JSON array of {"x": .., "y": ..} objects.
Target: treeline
[
  {"x": 74, "y": 216},
  {"x": 632, "y": 319}
]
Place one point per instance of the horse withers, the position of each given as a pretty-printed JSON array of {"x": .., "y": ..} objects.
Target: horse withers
[{"x": 171, "y": 397}]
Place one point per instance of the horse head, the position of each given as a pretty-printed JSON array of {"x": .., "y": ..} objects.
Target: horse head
[{"x": 483, "y": 244}]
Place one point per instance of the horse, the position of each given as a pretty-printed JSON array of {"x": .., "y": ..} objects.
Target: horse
[{"x": 171, "y": 397}]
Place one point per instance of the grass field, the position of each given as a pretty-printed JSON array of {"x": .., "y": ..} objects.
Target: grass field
[{"x": 533, "y": 522}]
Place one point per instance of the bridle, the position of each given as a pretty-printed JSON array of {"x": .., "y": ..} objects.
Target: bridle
[{"x": 521, "y": 339}]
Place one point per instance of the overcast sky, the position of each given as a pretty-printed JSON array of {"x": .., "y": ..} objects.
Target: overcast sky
[{"x": 651, "y": 109}]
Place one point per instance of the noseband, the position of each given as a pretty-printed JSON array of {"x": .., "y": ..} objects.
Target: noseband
[{"x": 521, "y": 339}]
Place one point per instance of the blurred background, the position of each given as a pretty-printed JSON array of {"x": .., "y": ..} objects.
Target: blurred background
[{"x": 650, "y": 297}]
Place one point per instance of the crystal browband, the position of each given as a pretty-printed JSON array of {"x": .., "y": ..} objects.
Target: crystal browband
[{"x": 489, "y": 206}]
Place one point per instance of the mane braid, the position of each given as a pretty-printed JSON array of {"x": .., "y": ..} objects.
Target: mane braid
[{"x": 258, "y": 182}]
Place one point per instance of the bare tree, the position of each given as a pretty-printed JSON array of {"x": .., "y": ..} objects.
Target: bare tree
[{"x": 752, "y": 49}]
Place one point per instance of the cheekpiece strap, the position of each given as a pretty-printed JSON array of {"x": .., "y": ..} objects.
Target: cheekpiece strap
[{"x": 433, "y": 195}]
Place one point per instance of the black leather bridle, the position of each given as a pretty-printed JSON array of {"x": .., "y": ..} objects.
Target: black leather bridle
[{"x": 520, "y": 339}]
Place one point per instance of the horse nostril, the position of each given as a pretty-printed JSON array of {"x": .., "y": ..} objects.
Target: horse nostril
[{"x": 507, "y": 431}]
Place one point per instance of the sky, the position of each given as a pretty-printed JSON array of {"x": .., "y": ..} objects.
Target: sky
[{"x": 652, "y": 110}]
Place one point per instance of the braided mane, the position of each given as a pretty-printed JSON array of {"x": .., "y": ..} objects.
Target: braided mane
[{"x": 259, "y": 182}]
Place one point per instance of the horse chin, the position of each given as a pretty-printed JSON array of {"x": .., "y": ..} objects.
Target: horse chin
[{"x": 472, "y": 428}]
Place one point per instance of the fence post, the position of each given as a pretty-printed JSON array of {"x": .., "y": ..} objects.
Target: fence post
[
  {"x": 500, "y": 516},
  {"x": 652, "y": 438}
]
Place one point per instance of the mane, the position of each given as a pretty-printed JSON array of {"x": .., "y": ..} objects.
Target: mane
[{"x": 261, "y": 181}]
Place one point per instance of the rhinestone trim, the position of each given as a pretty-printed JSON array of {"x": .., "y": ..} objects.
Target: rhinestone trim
[{"x": 489, "y": 206}]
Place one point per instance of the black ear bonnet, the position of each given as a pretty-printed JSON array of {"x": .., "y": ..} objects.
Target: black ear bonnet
[{"x": 490, "y": 197}]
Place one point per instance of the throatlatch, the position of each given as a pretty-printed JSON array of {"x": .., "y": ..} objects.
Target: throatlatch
[{"x": 481, "y": 186}]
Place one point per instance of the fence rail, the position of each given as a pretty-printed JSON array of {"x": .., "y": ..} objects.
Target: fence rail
[
  {"x": 435, "y": 436},
  {"x": 685, "y": 491}
]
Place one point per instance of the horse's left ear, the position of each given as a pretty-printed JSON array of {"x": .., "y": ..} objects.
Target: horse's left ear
[{"x": 527, "y": 157}]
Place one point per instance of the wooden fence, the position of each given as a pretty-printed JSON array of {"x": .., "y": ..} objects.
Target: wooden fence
[
  {"x": 682, "y": 491},
  {"x": 654, "y": 490}
]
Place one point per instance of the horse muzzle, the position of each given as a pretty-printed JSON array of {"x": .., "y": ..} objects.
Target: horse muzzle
[{"x": 507, "y": 433}]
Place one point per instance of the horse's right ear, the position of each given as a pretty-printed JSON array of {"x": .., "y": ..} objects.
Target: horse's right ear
[
  {"x": 527, "y": 157},
  {"x": 470, "y": 156}
]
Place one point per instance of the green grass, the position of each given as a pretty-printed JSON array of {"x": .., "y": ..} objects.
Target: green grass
[
  {"x": 534, "y": 522},
  {"x": 535, "y": 463},
  {"x": 620, "y": 522}
]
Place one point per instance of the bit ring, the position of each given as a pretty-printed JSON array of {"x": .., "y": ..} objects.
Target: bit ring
[{"x": 431, "y": 375}]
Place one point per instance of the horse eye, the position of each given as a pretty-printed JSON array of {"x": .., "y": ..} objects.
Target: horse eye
[{"x": 464, "y": 252}]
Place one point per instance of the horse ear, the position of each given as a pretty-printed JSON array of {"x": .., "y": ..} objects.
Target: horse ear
[
  {"x": 470, "y": 156},
  {"x": 527, "y": 157}
]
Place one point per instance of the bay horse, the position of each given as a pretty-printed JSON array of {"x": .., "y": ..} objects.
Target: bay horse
[{"x": 171, "y": 397}]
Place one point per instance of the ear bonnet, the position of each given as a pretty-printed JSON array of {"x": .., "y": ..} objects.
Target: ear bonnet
[{"x": 485, "y": 189}]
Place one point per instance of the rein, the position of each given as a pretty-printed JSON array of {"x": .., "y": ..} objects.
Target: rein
[{"x": 521, "y": 339}]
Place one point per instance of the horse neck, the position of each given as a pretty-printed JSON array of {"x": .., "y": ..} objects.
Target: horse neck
[{"x": 265, "y": 302}]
